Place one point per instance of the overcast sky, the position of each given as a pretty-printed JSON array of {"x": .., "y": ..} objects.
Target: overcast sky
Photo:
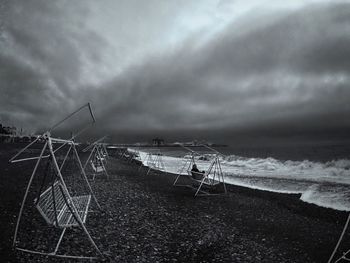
[{"x": 217, "y": 70}]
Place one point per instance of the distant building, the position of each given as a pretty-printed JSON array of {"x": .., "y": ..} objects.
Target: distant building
[
  {"x": 157, "y": 142},
  {"x": 10, "y": 130}
]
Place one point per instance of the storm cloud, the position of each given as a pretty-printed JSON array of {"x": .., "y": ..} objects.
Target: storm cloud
[{"x": 208, "y": 70}]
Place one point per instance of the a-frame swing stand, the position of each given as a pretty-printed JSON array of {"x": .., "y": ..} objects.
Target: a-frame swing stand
[
  {"x": 346, "y": 255},
  {"x": 56, "y": 204},
  {"x": 97, "y": 158},
  {"x": 154, "y": 161},
  {"x": 211, "y": 178}
]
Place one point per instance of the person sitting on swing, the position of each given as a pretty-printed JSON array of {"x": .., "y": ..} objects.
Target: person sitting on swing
[{"x": 196, "y": 174}]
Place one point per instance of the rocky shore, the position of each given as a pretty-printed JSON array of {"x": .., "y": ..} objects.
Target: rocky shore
[{"x": 146, "y": 219}]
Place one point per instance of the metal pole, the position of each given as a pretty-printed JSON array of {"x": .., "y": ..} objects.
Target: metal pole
[
  {"x": 85, "y": 178},
  {"x": 88, "y": 159},
  {"x": 26, "y": 194},
  {"x": 25, "y": 148},
  {"x": 104, "y": 168},
  {"x": 212, "y": 149},
  {"x": 29, "y": 159},
  {"x": 61, "y": 237},
  {"x": 70, "y": 198},
  {"x": 66, "y": 118},
  {"x": 65, "y": 157},
  {"x": 340, "y": 239},
  {"x": 222, "y": 176},
  {"x": 91, "y": 112}
]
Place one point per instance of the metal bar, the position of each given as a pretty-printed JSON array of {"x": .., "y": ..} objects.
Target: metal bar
[
  {"x": 25, "y": 148},
  {"x": 88, "y": 159},
  {"x": 222, "y": 176},
  {"x": 177, "y": 178},
  {"x": 61, "y": 237},
  {"x": 29, "y": 159},
  {"x": 183, "y": 167},
  {"x": 205, "y": 176},
  {"x": 53, "y": 255},
  {"x": 65, "y": 157},
  {"x": 26, "y": 194},
  {"x": 340, "y": 239},
  {"x": 85, "y": 178},
  {"x": 212, "y": 149},
  {"x": 189, "y": 149},
  {"x": 104, "y": 168},
  {"x": 94, "y": 143},
  {"x": 53, "y": 140},
  {"x": 54, "y": 203},
  {"x": 91, "y": 112},
  {"x": 66, "y": 118},
  {"x": 70, "y": 198},
  {"x": 200, "y": 186},
  {"x": 61, "y": 146}
]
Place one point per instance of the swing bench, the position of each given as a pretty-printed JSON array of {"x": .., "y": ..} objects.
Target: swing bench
[
  {"x": 154, "y": 161},
  {"x": 96, "y": 168},
  {"x": 199, "y": 177},
  {"x": 61, "y": 208},
  {"x": 57, "y": 209},
  {"x": 211, "y": 178},
  {"x": 97, "y": 158}
]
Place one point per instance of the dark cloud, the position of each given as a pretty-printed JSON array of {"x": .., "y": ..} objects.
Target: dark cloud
[{"x": 277, "y": 71}]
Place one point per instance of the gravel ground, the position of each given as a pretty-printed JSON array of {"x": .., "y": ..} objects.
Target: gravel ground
[{"x": 146, "y": 219}]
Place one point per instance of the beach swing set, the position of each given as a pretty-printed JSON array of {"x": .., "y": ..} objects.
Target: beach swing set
[
  {"x": 63, "y": 199},
  {"x": 154, "y": 161},
  {"x": 128, "y": 154},
  {"x": 209, "y": 179},
  {"x": 97, "y": 159}
]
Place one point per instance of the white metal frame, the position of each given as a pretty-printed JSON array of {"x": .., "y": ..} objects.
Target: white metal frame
[
  {"x": 345, "y": 254},
  {"x": 154, "y": 161},
  {"x": 97, "y": 151},
  {"x": 68, "y": 198},
  {"x": 212, "y": 177}
]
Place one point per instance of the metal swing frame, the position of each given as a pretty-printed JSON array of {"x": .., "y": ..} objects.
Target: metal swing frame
[
  {"x": 97, "y": 152},
  {"x": 212, "y": 177},
  {"x": 76, "y": 217},
  {"x": 345, "y": 254},
  {"x": 134, "y": 155},
  {"x": 154, "y": 161}
]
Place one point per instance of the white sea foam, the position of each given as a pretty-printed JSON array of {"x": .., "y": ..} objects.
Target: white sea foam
[{"x": 324, "y": 184}]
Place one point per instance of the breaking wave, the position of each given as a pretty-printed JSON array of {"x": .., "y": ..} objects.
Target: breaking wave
[{"x": 324, "y": 184}]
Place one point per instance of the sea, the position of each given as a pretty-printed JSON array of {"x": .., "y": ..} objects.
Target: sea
[{"x": 319, "y": 173}]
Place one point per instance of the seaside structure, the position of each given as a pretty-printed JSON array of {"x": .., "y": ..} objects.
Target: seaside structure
[
  {"x": 65, "y": 202},
  {"x": 212, "y": 177},
  {"x": 98, "y": 158},
  {"x": 158, "y": 142},
  {"x": 154, "y": 161}
]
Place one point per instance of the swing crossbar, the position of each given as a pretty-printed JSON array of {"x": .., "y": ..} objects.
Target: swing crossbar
[
  {"x": 52, "y": 254},
  {"x": 56, "y": 208}
]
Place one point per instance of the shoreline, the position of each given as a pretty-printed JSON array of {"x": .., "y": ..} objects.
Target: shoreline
[{"x": 146, "y": 219}]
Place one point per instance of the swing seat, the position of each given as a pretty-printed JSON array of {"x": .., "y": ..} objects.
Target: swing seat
[
  {"x": 55, "y": 207},
  {"x": 98, "y": 168},
  {"x": 102, "y": 158},
  {"x": 198, "y": 177}
]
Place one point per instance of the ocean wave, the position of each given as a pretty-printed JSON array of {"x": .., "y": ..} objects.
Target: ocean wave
[{"x": 324, "y": 184}]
